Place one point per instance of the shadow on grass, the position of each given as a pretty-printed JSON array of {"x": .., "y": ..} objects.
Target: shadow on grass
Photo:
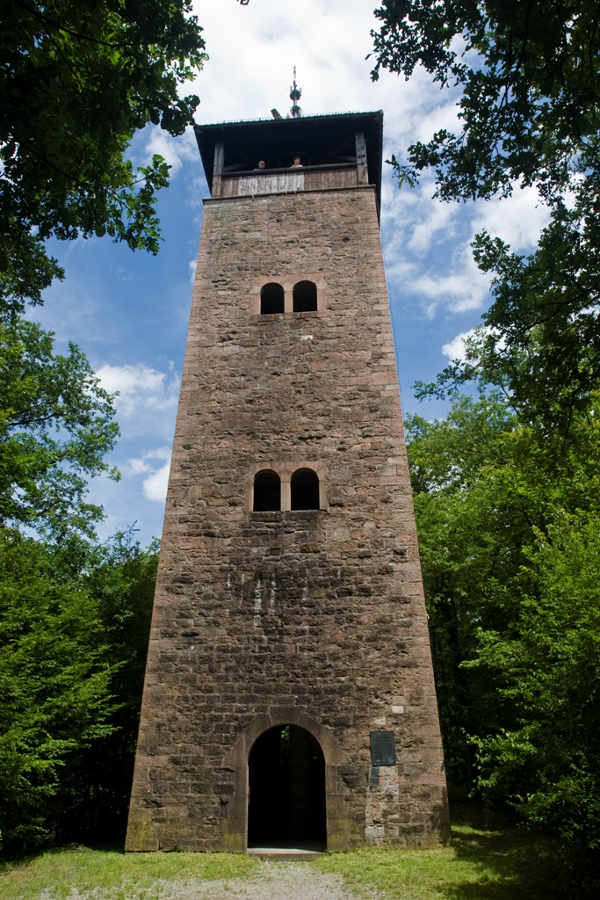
[
  {"x": 513, "y": 863},
  {"x": 9, "y": 860}
]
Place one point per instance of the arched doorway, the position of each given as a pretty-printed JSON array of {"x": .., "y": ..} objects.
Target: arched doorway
[{"x": 286, "y": 803}]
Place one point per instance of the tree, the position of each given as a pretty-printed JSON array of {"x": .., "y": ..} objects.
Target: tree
[
  {"x": 473, "y": 515},
  {"x": 508, "y": 522},
  {"x": 530, "y": 79},
  {"x": 56, "y": 425},
  {"x": 55, "y": 677},
  {"x": 540, "y": 342},
  {"x": 78, "y": 77},
  {"x": 529, "y": 73},
  {"x": 545, "y": 760},
  {"x": 74, "y": 622},
  {"x": 121, "y": 579}
]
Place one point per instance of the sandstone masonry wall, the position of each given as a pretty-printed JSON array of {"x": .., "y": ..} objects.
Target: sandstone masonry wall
[{"x": 312, "y": 617}]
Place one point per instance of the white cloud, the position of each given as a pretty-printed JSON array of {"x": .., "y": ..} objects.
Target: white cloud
[
  {"x": 79, "y": 317},
  {"x": 155, "y": 485},
  {"x": 252, "y": 50},
  {"x": 427, "y": 244},
  {"x": 411, "y": 223},
  {"x": 517, "y": 220},
  {"x": 175, "y": 151},
  {"x": 140, "y": 388},
  {"x": 455, "y": 349},
  {"x": 140, "y": 465},
  {"x": 440, "y": 217},
  {"x": 458, "y": 292},
  {"x": 443, "y": 116},
  {"x": 155, "y": 465},
  {"x": 456, "y": 287}
]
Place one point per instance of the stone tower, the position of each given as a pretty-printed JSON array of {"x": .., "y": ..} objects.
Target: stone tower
[{"x": 289, "y": 693}]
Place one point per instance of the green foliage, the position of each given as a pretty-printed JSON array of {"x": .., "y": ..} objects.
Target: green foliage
[
  {"x": 73, "y": 618},
  {"x": 56, "y": 425},
  {"x": 78, "y": 78},
  {"x": 465, "y": 493},
  {"x": 529, "y": 110},
  {"x": 540, "y": 342},
  {"x": 530, "y": 79},
  {"x": 508, "y": 520},
  {"x": 74, "y": 624},
  {"x": 547, "y": 761},
  {"x": 54, "y": 685},
  {"x": 122, "y": 582}
]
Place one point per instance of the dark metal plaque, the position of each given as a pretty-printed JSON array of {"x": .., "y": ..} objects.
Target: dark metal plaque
[{"x": 383, "y": 748}]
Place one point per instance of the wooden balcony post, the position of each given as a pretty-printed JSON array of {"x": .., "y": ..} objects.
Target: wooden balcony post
[{"x": 362, "y": 172}]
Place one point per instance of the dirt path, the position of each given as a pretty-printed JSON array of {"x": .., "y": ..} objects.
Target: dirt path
[{"x": 273, "y": 881}]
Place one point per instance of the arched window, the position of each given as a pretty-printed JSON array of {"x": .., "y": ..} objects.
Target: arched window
[
  {"x": 267, "y": 491},
  {"x": 305, "y": 296},
  {"x": 271, "y": 299},
  {"x": 305, "y": 489}
]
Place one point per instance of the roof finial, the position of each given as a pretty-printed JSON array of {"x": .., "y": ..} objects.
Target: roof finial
[{"x": 295, "y": 94}]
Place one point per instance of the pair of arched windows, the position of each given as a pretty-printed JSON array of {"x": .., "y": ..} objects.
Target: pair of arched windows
[
  {"x": 272, "y": 298},
  {"x": 304, "y": 487}
]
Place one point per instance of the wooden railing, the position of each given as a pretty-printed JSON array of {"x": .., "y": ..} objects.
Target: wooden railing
[{"x": 288, "y": 180}]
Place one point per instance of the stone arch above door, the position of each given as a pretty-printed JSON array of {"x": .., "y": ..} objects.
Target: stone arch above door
[{"x": 284, "y": 715}]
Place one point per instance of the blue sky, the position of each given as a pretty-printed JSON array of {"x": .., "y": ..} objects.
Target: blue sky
[{"x": 129, "y": 311}]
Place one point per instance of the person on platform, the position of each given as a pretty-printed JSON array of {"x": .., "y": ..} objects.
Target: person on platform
[{"x": 297, "y": 163}]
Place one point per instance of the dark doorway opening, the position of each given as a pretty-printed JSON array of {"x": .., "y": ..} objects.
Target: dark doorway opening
[{"x": 286, "y": 804}]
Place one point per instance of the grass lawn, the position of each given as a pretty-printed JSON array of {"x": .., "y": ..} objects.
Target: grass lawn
[
  {"x": 483, "y": 863},
  {"x": 56, "y": 874}
]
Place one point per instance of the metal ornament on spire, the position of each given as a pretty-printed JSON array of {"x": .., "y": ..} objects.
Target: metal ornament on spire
[{"x": 295, "y": 94}]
